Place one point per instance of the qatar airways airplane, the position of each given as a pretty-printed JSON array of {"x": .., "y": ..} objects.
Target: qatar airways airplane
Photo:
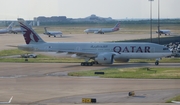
[
  {"x": 103, "y": 30},
  {"x": 100, "y": 53}
]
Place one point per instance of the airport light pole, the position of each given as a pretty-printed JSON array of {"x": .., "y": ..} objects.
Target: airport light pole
[
  {"x": 158, "y": 22},
  {"x": 151, "y": 19}
]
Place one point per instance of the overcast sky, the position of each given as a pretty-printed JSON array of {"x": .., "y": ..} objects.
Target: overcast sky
[{"x": 117, "y": 9}]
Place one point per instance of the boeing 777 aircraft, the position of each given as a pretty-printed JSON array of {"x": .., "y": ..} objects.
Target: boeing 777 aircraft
[
  {"x": 100, "y": 53},
  {"x": 7, "y": 30},
  {"x": 52, "y": 33},
  {"x": 103, "y": 30}
]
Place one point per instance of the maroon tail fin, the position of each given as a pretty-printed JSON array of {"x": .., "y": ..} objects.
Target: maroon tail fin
[{"x": 30, "y": 36}]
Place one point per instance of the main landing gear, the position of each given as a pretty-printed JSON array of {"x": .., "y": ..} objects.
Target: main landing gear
[
  {"x": 157, "y": 61},
  {"x": 88, "y": 63}
]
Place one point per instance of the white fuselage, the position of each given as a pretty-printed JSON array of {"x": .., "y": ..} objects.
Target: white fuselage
[
  {"x": 3, "y": 31},
  {"x": 122, "y": 50},
  {"x": 53, "y": 33},
  {"x": 16, "y": 30}
]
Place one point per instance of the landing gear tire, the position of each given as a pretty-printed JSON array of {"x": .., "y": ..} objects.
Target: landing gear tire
[
  {"x": 82, "y": 64},
  {"x": 157, "y": 63},
  {"x": 94, "y": 62},
  {"x": 86, "y": 64}
]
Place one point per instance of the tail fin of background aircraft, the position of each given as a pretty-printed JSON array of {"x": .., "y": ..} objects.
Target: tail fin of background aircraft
[
  {"x": 30, "y": 36},
  {"x": 10, "y": 26},
  {"x": 10, "y": 99},
  {"x": 45, "y": 29},
  {"x": 117, "y": 26},
  {"x": 31, "y": 24}
]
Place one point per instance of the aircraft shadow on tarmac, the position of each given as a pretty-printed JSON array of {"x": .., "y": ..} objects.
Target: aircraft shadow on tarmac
[
  {"x": 139, "y": 96},
  {"x": 121, "y": 65}
]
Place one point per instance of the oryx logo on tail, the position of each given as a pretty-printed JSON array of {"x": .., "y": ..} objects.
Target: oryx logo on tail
[{"x": 28, "y": 34}]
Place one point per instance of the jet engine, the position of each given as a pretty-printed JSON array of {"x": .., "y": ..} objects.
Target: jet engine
[
  {"x": 105, "y": 58},
  {"x": 121, "y": 60},
  {"x": 96, "y": 32}
]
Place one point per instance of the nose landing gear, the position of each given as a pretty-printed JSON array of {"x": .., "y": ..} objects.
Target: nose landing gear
[{"x": 157, "y": 63}]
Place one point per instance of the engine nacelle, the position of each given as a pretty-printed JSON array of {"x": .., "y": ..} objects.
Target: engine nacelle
[
  {"x": 121, "y": 60},
  {"x": 105, "y": 58},
  {"x": 96, "y": 32}
]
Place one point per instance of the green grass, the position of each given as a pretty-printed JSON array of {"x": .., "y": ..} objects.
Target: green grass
[
  {"x": 12, "y": 52},
  {"x": 40, "y": 59},
  {"x": 153, "y": 73},
  {"x": 163, "y": 60},
  {"x": 177, "y": 98}
]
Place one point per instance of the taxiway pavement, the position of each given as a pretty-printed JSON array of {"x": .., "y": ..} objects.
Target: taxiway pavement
[{"x": 48, "y": 83}]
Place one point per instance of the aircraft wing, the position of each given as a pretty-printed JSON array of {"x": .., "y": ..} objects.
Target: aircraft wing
[
  {"x": 80, "y": 54},
  {"x": 8, "y": 102},
  {"x": 85, "y": 54},
  {"x": 177, "y": 102}
]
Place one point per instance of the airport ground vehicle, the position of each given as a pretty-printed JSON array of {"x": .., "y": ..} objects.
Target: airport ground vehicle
[{"x": 29, "y": 56}]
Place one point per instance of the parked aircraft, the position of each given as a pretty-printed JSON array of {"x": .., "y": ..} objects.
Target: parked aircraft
[
  {"x": 8, "y": 101},
  {"x": 166, "y": 32},
  {"x": 7, "y": 30},
  {"x": 52, "y": 33},
  {"x": 17, "y": 30},
  {"x": 103, "y": 30},
  {"x": 100, "y": 53}
]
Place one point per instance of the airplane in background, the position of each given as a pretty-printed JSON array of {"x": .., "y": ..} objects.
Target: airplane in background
[
  {"x": 100, "y": 53},
  {"x": 166, "y": 32},
  {"x": 103, "y": 30},
  {"x": 7, "y": 30},
  {"x": 52, "y": 33},
  {"x": 8, "y": 102},
  {"x": 18, "y": 30}
]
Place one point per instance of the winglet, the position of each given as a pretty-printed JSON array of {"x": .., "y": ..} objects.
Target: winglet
[
  {"x": 10, "y": 99},
  {"x": 7, "y": 102},
  {"x": 10, "y": 26}
]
